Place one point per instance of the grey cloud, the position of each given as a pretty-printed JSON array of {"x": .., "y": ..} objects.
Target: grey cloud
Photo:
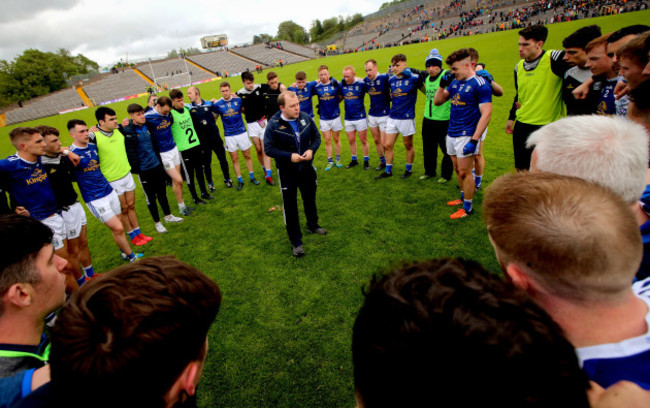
[{"x": 20, "y": 9}]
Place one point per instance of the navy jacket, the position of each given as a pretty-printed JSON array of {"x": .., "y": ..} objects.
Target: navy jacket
[
  {"x": 280, "y": 140},
  {"x": 131, "y": 144}
]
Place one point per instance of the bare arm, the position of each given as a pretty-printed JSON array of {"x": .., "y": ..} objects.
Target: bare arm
[
  {"x": 486, "y": 115},
  {"x": 442, "y": 96}
]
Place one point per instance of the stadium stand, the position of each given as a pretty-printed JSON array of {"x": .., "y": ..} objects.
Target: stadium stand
[
  {"x": 173, "y": 72},
  {"x": 44, "y": 106},
  {"x": 115, "y": 86},
  {"x": 267, "y": 55},
  {"x": 298, "y": 49},
  {"x": 220, "y": 61}
]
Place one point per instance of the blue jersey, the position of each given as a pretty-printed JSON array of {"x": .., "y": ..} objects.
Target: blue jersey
[
  {"x": 304, "y": 97},
  {"x": 404, "y": 93},
  {"x": 628, "y": 360},
  {"x": 465, "y": 97},
  {"x": 161, "y": 128},
  {"x": 28, "y": 184},
  {"x": 91, "y": 181},
  {"x": 353, "y": 100},
  {"x": 379, "y": 92},
  {"x": 607, "y": 100},
  {"x": 230, "y": 112},
  {"x": 328, "y": 100}
]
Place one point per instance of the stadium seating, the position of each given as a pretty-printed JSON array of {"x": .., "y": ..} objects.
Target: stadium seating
[
  {"x": 44, "y": 106},
  {"x": 220, "y": 61},
  {"x": 298, "y": 49},
  {"x": 115, "y": 86},
  {"x": 268, "y": 56}
]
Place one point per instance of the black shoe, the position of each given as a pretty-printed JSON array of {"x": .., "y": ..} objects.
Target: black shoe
[
  {"x": 240, "y": 185},
  {"x": 206, "y": 196},
  {"x": 211, "y": 187},
  {"x": 406, "y": 174},
  {"x": 384, "y": 175},
  {"x": 366, "y": 165},
  {"x": 270, "y": 181},
  {"x": 318, "y": 230},
  {"x": 228, "y": 184},
  {"x": 352, "y": 164},
  {"x": 254, "y": 181},
  {"x": 380, "y": 167},
  {"x": 198, "y": 201},
  {"x": 298, "y": 251}
]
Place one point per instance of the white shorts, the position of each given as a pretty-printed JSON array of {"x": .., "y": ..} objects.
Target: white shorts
[
  {"x": 237, "y": 142},
  {"x": 378, "y": 121},
  {"x": 74, "y": 218},
  {"x": 356, "y": 125},
  {"x": 56, "y": 224},
  {"x": 257, "y": 130},
  {"x": 404, "y": 126},
  {"x": 171, "y": 158},
  {"x": 455, "y": 146},
  {"x": 333, "y": 125},
  {"x": 123, "y": 185},
  {"x": 106, "y": 207}
]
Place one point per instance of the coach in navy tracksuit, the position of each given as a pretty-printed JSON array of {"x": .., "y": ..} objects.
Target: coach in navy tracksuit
[{"x": 292, "y": 138}]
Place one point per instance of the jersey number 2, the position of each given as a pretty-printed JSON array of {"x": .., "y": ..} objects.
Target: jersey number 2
[{"x": 190, "y": 135}]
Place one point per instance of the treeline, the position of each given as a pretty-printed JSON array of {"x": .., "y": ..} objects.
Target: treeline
[
  {"x": 391, "y": 3},
  {"x": 36, "y": 73},
  {"x": 319, "y": 30}
]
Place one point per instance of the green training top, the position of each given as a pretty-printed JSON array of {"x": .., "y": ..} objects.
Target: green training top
[
  {"x": 539, "y": 93},
  {"x": 432, "y": 111},
  {"x": 112, "y": 155},
  {"x": 183, "y": 131}
]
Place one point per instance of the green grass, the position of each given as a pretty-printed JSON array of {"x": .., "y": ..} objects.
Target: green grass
[{"x": 282, "y": 337}]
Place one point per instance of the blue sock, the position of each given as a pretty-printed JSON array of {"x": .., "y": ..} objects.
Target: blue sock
[
  {"x": 330, "y": 160},
  {"x": 366, "y": 158},
  {"x": 409, "y": 166},
  {"x": 477, "y": 180},
  {"x": 474, "y": 172},
  {"x": 240, "y": 179},
  {"x": 389, "y": 168},
  {"x": 81, "y": 280},
  {"x": 252, "y": 174},
  {"x": 264, "y": 169},
  {"x": 462, "y": 195},
  {"x": 89, "y": 271},
  {"x": 354, "y": 158},
  {"x": 131, "y": 255},
  {"x": 132, "y": 234},
  {"x": 467, "y": 205},
  {"x": 136, "y": 231},
  {"x": 338, "y": 157},
  {"x": 382, "y": 159},
  {"x": 269, "y": 173}
]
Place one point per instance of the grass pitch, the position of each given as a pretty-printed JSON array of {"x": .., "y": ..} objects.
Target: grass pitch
[{"x": 282, "y": 337}]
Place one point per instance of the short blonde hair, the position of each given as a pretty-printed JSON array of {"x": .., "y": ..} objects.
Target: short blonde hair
[{"x": 580, "y": 241}]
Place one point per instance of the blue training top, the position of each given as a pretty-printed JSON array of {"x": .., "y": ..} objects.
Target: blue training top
[
  {"x": 465, "y": 97},
  {"x": 89, "y": 177},
  {"x": 379, "y": 92},
  {"x": 404, "y": 91},
  {"x": 27, "y": 182},
  {"x": 328, "y": 100},
  {"x": 304, "y": 97},
  {"x": 230, "y": 112},
  {"x": 353, "y": 99},
  {"x": 161, "y": 128}
]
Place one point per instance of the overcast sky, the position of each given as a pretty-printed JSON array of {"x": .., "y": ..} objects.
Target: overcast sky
[{"x": 106, "y": 30}]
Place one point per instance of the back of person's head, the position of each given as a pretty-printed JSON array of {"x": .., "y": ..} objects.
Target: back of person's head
[
  {"x": 164, "y": 101},
  {"x": 581, "y": 37},
  {"x": 134, "y": 108},
  {"x": 125, "y": 338},
  {"x": 609, "y": 151},
  {"x": 579, "y": 241},
  {"x": 21, "y": 239},
  {"x": 448, "y": 333},
  {"x": 629, "y": 30},
  {"x": 536, "y": 32}
]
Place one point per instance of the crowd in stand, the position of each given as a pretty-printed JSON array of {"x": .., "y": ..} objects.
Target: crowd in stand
[{"x": 570, "y": 327}]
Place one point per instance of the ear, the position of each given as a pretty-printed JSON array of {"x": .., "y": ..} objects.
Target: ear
[
  {"x": 188, "y": 378},
  {"x": 19, "y": 295},
  {"x": 517, "y": 276}
]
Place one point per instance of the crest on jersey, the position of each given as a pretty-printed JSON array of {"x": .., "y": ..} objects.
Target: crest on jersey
[
  {"x": 406, "y": 82},
  {"x": 302, "y": 122}
]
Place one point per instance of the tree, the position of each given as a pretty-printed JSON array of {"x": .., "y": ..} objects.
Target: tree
[
  {"x": 290, "y": 31},
  {"x": 330, "y": 23},
  {"x": 183, "y": 52},
  {"x": 262, "y": 39},
  {"x": 35, "y": 73},
  {"x": 316, "y": 29}
]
